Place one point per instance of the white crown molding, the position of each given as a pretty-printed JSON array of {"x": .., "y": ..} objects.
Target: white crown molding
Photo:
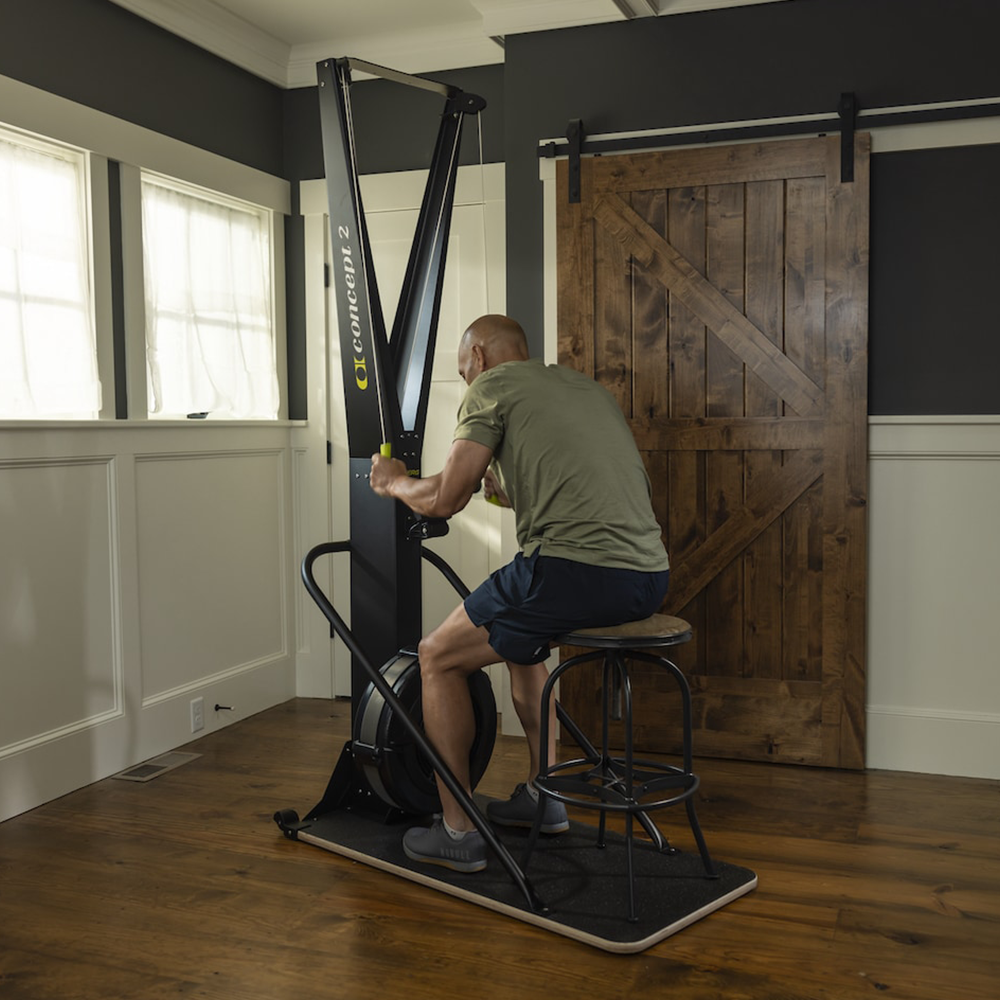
[
  {"x": 691, "y": 6},
  {"x": 220, "y": 32},
  {"x": 503, "y": 17},
  {"x": 409, "y": 52},
  {"x": 511, "y": 17}
]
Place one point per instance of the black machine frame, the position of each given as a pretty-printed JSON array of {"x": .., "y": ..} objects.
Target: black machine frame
[{"x": 386, "y": 390}]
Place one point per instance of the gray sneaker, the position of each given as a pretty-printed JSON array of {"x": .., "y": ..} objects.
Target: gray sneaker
[
  {"x": 435, "y": 846},
  {"x": 520, "y": 809}
]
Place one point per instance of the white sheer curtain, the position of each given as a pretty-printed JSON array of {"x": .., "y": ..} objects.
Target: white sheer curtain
[
  {"x": 48, "y": 353},
  {"x": 210, "y": 345}
]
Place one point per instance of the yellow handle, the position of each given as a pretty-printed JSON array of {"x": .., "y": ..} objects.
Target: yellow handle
[{"x": 385, "y": 450}]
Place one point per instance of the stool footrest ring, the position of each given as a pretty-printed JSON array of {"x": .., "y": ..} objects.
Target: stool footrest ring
[{"x": 603, "y": 783}]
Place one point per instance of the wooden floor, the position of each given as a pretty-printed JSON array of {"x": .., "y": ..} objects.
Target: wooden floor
[{"x": 870, "y": 884}]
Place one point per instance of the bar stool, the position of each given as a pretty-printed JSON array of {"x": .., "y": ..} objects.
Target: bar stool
[{"x": 622, "y": 783}]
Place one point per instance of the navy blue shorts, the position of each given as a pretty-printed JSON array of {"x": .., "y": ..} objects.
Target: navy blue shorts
[{"x": 530, "y": 601}]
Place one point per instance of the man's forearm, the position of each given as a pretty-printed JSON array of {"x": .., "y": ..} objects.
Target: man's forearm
[
  {"x": 440, "y": 495},
  {"x": 423, "y": 496}
]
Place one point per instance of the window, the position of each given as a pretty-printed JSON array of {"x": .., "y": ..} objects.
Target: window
[
  {"x": 48, "y": 353},
  {"x": 210, "y": 343}
]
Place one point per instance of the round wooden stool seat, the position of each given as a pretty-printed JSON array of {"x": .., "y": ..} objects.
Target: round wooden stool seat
[{"x": 656, "y": 630}]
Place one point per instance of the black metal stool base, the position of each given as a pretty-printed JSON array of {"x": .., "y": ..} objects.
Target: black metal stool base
[{"x": 623, "y": 783}]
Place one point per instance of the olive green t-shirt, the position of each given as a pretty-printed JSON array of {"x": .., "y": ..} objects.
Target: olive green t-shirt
[{"x": 568, "y": 463}]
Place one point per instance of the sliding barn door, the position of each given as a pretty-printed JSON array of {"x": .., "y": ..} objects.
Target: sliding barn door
[{"x": 721, "y": 295}]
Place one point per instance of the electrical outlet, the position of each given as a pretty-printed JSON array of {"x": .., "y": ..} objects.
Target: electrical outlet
[{"x": 197, "y": 714}]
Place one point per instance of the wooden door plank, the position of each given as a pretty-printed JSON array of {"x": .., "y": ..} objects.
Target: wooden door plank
[
  {"x": 650, "y": 381},
  {"x": 762, "y": 562},
  {"x": 738, "y": 434},
  {"x": 804, "y": 343},
  {"x": 574, "y": 278},
  {"x": 724, "y": 377},
  {"x": 764, "y": 504},
  {"x": 802, "y": 587},
  {"x": 613, "y": 319},
  {"x": 729, "y": 325},
  {"x": 684, "y": 359},
  {"x": 711, "y": 165},
  {"x": 845, "y": 477}
]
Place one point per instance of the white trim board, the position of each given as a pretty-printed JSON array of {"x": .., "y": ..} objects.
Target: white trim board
[
  {"x": 933, "y": 575},
  {"x": 962, "y": 744}
]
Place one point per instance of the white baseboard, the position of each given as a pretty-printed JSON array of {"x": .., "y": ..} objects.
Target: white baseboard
[{"x": 931, "y": 742}]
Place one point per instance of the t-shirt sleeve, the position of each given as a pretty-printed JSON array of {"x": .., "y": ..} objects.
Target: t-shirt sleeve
[{"x": 479, "y": 418}]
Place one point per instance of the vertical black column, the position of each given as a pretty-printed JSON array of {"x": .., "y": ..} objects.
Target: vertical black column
[{"x": 385, "y": 559}]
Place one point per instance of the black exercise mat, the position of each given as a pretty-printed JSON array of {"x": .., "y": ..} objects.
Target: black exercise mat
[{"x": 585, "y": 888}]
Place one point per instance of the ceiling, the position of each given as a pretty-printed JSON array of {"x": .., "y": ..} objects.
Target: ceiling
[{"x": 283, "y": 41}]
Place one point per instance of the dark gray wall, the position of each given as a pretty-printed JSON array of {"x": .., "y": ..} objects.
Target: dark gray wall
[
  {"x": 100, "y": 55},
  {"x": 935, "y": 328},
  {"x": 787, "y": 59}
]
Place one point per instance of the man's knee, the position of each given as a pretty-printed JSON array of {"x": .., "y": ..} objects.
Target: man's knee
[
  {"x": 437, "y": 656},
  {"x": 429, "y": 652}
]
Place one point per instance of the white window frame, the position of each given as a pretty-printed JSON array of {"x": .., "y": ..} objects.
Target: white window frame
[
  {"x": 94, "y": 192},
  {"x": 133, "y": 265}
]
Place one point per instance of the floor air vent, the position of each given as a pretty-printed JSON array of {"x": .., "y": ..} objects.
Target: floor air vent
[{"x": 156, "y": 766}]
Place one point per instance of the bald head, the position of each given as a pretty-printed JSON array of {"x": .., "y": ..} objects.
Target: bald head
[{"x": 489, "y": 341}]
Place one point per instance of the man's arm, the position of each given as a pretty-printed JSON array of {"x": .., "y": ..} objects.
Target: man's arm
[{"x": 436, "y": 496}]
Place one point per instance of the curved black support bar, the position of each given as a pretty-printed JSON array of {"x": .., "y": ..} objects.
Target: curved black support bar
[
  {"x": 419, "y": 737},
  {"x": 449, "y": 574}
]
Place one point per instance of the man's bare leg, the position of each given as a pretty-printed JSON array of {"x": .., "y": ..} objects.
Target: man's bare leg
[
  {"x": 453, "y": 651},
  {"x": 526, "y": 683}
]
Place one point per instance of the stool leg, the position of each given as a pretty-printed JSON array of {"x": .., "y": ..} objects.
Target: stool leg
[
  {"x": 630, "y": 869},
  {"x": 699, "y": 838},
  {"x": 706, "y": 859},
  {"x": 626, "y": 692},
  {"x": 606, "y": 704}
]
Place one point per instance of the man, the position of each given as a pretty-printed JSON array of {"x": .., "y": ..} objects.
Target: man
[{"x": 552, "y": 444}]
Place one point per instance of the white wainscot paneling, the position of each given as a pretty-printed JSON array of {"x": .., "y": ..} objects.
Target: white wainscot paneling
[
  {"x": 59, "y": 622},
  {"x": 934, "y": 580},
  {"x": 211, "y": 555}
]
